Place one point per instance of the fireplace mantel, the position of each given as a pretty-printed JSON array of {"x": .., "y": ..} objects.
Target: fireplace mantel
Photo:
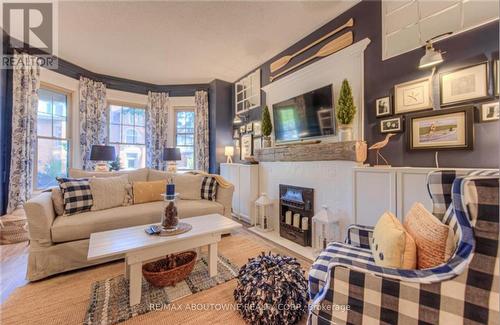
[{"x": 349, "y": 150}]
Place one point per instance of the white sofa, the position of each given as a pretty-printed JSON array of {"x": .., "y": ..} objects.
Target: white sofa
[{"x": 60, "y": 243}]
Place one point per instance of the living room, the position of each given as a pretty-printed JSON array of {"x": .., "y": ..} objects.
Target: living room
[{"x": 292, "y": 162}]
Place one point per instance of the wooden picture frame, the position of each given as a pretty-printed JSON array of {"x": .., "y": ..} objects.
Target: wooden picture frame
[
  {"x": 412, "y": 96},
  {"x": 489, "y": 112},
  {"x": 392, "y": 125},
  {"x": 246, "y": 146},
  {"x": 249, "y": 127},
  {"x": 448, "y": 129},
  {"x": 383, "y": 106},
  {"x": 464, "y": 85}
]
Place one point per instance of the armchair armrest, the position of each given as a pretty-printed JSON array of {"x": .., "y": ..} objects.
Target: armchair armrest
[
  {"x": 40, "y": 215},
  {"x": 359, "y": 236}
]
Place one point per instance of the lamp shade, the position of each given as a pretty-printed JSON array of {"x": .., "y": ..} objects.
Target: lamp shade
[
  {"x": 228, "y": 151},
  {"x": 171, "y": 154},
  {"x": 430, "y": 58},
  {"x": 102, "y": 153}
]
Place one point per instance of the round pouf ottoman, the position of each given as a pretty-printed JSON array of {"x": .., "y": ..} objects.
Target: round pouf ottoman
[{"x": 271, "y": 289}]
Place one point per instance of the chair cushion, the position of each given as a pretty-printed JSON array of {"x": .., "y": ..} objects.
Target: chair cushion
[
  {"x": 149, "y": 191},
  {"x": 209, "y": 188},
  {"x": 391, "y": 245},
  {"x": 434, "y": 241},
  {"x": 69, "y": 228}
]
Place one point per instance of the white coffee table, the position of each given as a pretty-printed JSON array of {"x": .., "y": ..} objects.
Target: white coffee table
[{"x": 138, "y": 247}]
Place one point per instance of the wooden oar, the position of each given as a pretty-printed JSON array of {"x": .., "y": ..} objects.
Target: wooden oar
[
  {"x": 281, "y": 62},
  {"x": 329, "y": 48}
]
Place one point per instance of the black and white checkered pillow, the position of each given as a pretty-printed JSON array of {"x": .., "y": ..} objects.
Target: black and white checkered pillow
[
  {"x": 208, "y": 188},
  {"x": 76, "y": 194}
]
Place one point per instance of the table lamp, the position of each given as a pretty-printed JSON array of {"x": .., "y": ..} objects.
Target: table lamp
[
  {"x": 229, "y": 152},
  {"x": 172, "y": 155},
  {"x": 102, "y": 154}
]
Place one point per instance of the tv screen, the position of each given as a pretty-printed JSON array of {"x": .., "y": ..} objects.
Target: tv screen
[{"x": 309, "y": 115}]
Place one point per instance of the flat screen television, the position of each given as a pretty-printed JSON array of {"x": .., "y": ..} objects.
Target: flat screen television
[{"x": 310, "y": 115}]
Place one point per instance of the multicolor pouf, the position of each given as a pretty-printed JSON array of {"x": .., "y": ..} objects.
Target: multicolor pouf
[{"x": 271, "y": 289}]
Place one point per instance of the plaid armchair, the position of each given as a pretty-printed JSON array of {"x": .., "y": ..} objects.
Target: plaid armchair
[{"x": 347, "y": 287}]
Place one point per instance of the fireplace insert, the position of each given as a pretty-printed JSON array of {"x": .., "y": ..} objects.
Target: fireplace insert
[{"x": 296, "y": 212}]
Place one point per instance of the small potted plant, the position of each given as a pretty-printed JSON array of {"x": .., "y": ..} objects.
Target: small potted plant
[
  {"x": 346, "y": 110},
  {"x": 267, "y": 127}
]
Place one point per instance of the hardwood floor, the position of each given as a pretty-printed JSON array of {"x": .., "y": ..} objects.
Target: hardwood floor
[{"x": 13, "y": 261}]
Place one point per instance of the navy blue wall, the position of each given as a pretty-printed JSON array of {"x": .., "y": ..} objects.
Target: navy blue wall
[{"x": 380, "y": 77}]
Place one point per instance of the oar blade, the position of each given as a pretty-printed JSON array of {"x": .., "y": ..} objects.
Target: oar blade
[
  {"x": 336, "y": 45},
  {"x": 280, "y": 63}
]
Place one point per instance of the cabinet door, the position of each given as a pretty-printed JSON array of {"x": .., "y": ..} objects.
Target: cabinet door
[
  {"x": 374, "y": 194},
  {"x": 412, "y": 187}
]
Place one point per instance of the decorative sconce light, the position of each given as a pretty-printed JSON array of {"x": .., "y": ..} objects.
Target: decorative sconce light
[{"x": 432, "y": 57}]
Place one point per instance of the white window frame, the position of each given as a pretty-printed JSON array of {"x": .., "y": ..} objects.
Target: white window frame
[
  {"x": 68, "y": 93},
  {"x": 185, "y": 109},
  {"x": 129, "y": 105}
]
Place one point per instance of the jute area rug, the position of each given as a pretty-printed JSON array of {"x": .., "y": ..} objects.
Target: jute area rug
[{"x": 64, "y": 299}]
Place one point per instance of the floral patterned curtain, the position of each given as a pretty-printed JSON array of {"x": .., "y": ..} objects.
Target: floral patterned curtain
[
  {"x": 92, "y": 118},
  {"x": 26, "y": 82},
  {"x": 201, "y": 132},
  {"x": 156, "y": 126}
]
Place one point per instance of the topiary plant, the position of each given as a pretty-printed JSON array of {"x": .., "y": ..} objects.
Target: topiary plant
[
  {"x": 267, "y": 126},
  {"x": 345, "y": 105}
]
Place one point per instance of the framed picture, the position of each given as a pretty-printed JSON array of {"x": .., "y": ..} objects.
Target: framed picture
[
  {"x": 413, "y": 96},
  {"x": 496, "y": 76},
  {"x": 489, "y": 112},
  {"x": 237, "y": 149},
  {"x": 249, "y": 127},
  {"x": 383, "y": 106},
  {"x": 257, "y": 144},
  {"x": 257, "y": 129},
  {"x": 246, "y": 146},
  {"x": 236, "y": 134},
  {"x": 442, "y": 129},
  {"x": 243, "y": 129},
  {"x": 464, "y": 84},
  {"x": 392, "y": 125}
]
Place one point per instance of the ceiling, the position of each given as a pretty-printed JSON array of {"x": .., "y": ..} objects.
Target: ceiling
[{"x": 184, "y": 42}]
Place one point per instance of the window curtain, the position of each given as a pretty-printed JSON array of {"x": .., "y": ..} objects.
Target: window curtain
[
  {"x": 156, "y": 126},
  {"x": 201, "y": 132},
  {"x": 26, "y": 82},
  {"x": 92, "y": 118}
]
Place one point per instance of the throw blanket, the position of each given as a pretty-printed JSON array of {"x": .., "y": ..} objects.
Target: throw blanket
[{"x": 218, "y": 178}]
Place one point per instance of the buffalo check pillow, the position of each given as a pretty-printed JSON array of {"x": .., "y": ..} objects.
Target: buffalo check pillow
[
  {"x": 76, "y": 195},
  {"x": 208, "y": 188}
]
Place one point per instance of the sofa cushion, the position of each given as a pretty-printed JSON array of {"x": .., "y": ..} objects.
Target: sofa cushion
[
  {"x": 69, "y": 228},
  {"x": 58, "y": 201},
  {"x": 76, "y": 194},
  {"x": 209, "y": 188},
  {"x": 158, "y": 175},
  {"x": 188, "y": 186},
  {"x": 133, "y": 175},
  {"x": 109, "y": 192}
]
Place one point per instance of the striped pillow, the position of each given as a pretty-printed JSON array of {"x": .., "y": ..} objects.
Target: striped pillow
[
  {"x": 76, "y": 195},
  {"x": 208, "y": 188}
]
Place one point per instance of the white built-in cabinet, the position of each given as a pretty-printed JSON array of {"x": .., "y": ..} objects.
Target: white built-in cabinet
[
  {"x": 393, "y": 189},
  {"x": 245, "y": 179}
]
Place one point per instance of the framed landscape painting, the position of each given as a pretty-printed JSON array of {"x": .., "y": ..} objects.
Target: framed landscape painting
[
  {"x": 464, "y": 84},
  {"x": 443, "y": 129},
  {"x": 413, "y": 96}
]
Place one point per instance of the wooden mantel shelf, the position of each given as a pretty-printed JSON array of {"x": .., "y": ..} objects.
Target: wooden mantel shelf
[{"x": 349, "y": 150}]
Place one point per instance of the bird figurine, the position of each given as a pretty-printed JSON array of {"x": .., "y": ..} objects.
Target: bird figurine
[{"x": 379, "y": 145}]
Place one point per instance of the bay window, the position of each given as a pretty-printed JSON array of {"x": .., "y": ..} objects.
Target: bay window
[{"x": 184, "y": 137}]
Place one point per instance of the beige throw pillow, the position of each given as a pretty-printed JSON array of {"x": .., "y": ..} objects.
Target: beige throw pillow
[
  {"x": 434, "y": 239},
  {"x": 58, "y": 201},
  {"x": 188, "y": 186},
  {"x": 109, "y": 192},
  {"x": 391, "y": 245}
]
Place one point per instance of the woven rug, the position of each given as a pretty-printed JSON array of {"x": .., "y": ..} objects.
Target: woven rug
[{"x": 109, "y": 299}]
